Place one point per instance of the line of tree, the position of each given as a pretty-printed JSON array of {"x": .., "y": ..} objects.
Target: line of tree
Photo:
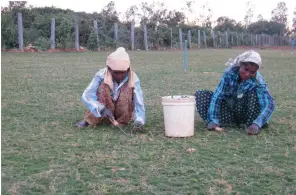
[{"x": 159, "y": 19}]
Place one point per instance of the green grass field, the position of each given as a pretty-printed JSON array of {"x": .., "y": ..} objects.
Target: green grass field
[{"x": 44, "y": 153}]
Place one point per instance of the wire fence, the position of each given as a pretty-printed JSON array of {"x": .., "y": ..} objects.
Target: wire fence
[{"x": 147, "y": 37}]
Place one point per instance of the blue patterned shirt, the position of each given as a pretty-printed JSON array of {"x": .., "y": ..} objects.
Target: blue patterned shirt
[
  {"x": 229, "y": 87},
  {"x": 90, "y": 99}
]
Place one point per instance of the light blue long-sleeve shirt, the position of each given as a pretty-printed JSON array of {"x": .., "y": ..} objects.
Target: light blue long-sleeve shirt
[{"x": 90, "y": 98}]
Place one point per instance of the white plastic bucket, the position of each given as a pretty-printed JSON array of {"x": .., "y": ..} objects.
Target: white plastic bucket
[{"x": 178, "y": 115}]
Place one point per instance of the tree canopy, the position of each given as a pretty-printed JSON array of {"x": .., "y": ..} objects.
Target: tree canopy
[{"x": 37, "y": 22}]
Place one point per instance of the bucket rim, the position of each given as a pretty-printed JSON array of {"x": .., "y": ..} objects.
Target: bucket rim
[
  {"x": 178, "y": 97},
  {"x": 178, "y": 103}
]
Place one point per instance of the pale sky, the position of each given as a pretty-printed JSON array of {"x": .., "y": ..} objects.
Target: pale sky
[{"x": 235, "y": 9}]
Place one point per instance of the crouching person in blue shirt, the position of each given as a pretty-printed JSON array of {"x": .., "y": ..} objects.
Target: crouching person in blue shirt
[
  {"x": 114, "y": 93},
  {"x": 241, "y": 97}
]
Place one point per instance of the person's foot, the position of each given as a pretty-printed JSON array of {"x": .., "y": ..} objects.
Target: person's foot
[
  {"x": 82, "y": 124},
  {"x": 138, "y": 126}
]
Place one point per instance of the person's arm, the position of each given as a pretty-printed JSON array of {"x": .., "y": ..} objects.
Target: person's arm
[
  {"x": 266, "y": 102},
  {"x": 215, "y": 105},
  {"x": 139, "y": 110},
  {"x": 89, "y": 96}
]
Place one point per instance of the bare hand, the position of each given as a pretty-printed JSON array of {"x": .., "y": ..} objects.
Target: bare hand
[
  {"x": 212, "y": 126},
  {"x": 107, "y": 113},
  {"x": 253, "y": 129}
]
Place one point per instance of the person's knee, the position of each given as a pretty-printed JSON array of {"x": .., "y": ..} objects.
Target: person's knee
[
  {"x": 197, "y": 93},
  {"x": 202, "y": 92},
  {"x": 252, "y": 94}
]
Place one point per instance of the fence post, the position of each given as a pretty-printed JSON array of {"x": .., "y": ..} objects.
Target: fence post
[
  {"x": 205, "y": 38},
  {"x": 52, "y": 34},
  {"x": 20, "y": 31},
  {"x": 76, "y": 33},
  {"x": 199, "y": 41},
  {"x": 213, "y": 36},
  {"x": 115, "y": 31},
  {"x": 96, "y": 32},
  {"x": 145, "y": 37},
  {"x": 220, "y": 39},
  {"x": 281, "y": 38},
  {"x": 189, "y": 38},
  {"x": 133, "y": 35},
  {"x": 272, "y": 40},
  {"x": 232, "y": 41},
  {"x": 249, "y": 40},
  {"x": 171, "y": 38},
  {"x": 185, "y": 54},
  {"x": 265, "y": 39},
  {"x": 156, "y": 40},
  {"x": 227, "y": 39},
  {"x": 180, "y": 38},
  {"x": 254, "y": 40}
]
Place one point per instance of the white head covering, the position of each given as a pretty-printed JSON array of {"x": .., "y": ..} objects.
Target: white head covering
[
  {"x": 119, "y": 60},
  {"x": 248, "y": 56}
]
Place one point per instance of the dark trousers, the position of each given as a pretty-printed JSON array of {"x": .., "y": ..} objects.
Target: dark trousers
[{"x": 239, "y": 111}]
